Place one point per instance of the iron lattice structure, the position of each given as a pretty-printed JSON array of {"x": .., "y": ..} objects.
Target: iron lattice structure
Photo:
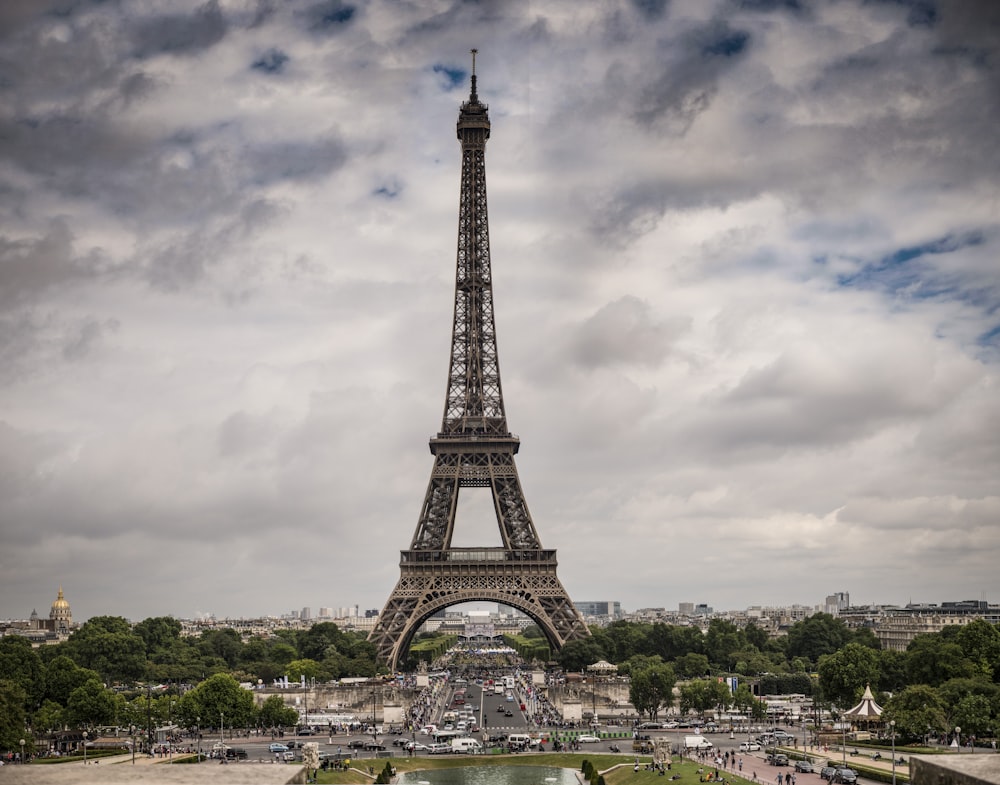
[{"x": 474, "y": 449}]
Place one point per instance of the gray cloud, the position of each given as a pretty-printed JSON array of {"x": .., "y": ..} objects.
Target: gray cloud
[{"x": 744, "y": 265}]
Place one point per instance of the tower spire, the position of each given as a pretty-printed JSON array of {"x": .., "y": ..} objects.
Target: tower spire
[{"x": 473, "y": 96}]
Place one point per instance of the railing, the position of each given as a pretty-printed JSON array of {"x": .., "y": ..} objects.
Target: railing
[{"x": 469, "y": 555}]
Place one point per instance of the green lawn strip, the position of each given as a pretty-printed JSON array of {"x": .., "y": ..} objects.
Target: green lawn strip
[{"x": 687, "y": 770}]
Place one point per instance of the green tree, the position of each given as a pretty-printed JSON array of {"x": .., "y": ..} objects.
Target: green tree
[
  {"x": 700, "y": 695},
  {"x": 691, "y": 665},
  {"x": 158, "y": 632},
  {"x": 973, "y": 715},
  {"x": 296, "y": 669},
  {"x": 62, "y": 676},
  {"x": 651, "y": 689},
  {"x": 815, "y": 636},
  {"x": 12, "y": 714},
  {"x": 92, "y": 704},
  {"x": 934, "y": 659},
  {"x": 577, "y": 655},
  {"x": 49, "y": 717},
  {"x": 106, "y": 644},
  {"x": 918, "y": 711},
  {"x": 221, "y": 696},
  {"x": 275, "y": 714},
  {"x": 20, "y": 665},
  {"x": 723, "y": 640},
  {"x": 844, "y": 674},
  {"x": 980, "y": 643},
  {"x": 224, "y": 644}
]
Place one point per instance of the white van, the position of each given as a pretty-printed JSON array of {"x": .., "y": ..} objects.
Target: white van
[
  {"x": 466, "y": 746},
  {"x": 522, "y": 740},
  {"x": 697, "y": 743}
]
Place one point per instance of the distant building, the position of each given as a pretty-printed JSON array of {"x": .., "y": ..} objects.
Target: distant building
[
  {"x": 55, "y": 629},
  {"x": 306, "y": 613},
  {"x": 610, "y": 609},
  {"x": 895, "y": 627},
  {"x": 837, "y": 602}
]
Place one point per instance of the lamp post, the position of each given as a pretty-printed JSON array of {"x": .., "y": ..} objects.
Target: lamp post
[
  {"x": 85, "y": 748},
  {"x": 222, "y": 735},
  {"x": 149, "y": 719},
  {"x": 892, "y": 731},
  {"x": 131, "y": 732},
  {"x": 22, "y": 752},
  {"x": 958, "y": 739},
  {"x": 197, "y": 725}
]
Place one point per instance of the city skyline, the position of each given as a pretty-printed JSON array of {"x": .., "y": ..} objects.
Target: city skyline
[{"x": 744, "y": 273}]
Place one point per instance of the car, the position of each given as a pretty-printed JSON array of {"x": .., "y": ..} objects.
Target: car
[
  {"x": 500, "y": 709},
  {"x": 827, "y": 773},
  {"x": 357, "y": 744},
  {"x": 415, "y": 746},
  {"x": 510, "y": 699},
  {"x": 650, "y": 726},
  {"x": 288, "y": 756},
  {"x": 670, "y": 725},
  {"x": 372, "y": 745},
  {"x": 749, "y": 746},
  {"x": 586, "y": 738},
  {"x": 804, "y": 766},
  {"x": 236, "y": 753},
  {"x": 846, "y": 775},
  {"x": 778, "y": 759},
  {"x": 276, "y": 746}
]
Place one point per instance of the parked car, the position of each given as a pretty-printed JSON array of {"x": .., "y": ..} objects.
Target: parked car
[
  {"x": 827, "y": 773},
  {"x": 749, "y": 746},
  {"x": 277, "y": 747},
  {"x": 804, "y": 766},
  {"x": 587, "y": 738},
  {"x": 845, "y": 775},
  {"x": 778, "y": 759}
]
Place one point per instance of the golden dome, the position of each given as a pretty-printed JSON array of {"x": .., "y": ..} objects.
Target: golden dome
[{"x": 60, "y": 601}]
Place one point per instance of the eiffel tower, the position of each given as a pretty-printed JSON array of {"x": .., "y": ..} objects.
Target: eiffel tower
[{"x": 474, "y": 449}]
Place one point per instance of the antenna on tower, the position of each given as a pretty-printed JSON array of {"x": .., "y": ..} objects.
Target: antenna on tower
[{"x": 474, "y": 96}]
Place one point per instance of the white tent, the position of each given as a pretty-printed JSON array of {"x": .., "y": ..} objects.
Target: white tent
[{"x": 868, "y": 710}]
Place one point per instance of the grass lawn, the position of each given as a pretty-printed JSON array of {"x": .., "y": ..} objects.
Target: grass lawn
[{"x": 687, "y": 770}]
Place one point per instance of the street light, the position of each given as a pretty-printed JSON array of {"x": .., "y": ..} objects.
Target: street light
[
  {"x": 131, "y": 730},
  {"x": 958, "y": 739},
  {"x": 85, "y": 748},
  {"x": 892, "y": 730},
  {"x": 22, "y": 751}
]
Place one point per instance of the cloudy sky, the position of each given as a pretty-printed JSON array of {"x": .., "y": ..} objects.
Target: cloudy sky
[{"x": 746, "y": 281}]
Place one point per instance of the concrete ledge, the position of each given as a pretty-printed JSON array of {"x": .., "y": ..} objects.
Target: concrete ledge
[
  {"x": 191, "y": 774},
  {"x": 957, "y": 769}
]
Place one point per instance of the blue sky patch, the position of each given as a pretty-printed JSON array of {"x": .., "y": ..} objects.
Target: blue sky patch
[
  {"x": 731, "y": 44},
  {"x": 909, "y": 270},
  {"x": 271, "y": 62},
  {"x": 455, "y": 76}
]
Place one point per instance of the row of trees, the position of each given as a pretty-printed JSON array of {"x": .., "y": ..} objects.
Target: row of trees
[
  {"x": 948, "y": 677},
  {"x": 85, "y": 681},
  {"x": 942, "y": 680}
]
